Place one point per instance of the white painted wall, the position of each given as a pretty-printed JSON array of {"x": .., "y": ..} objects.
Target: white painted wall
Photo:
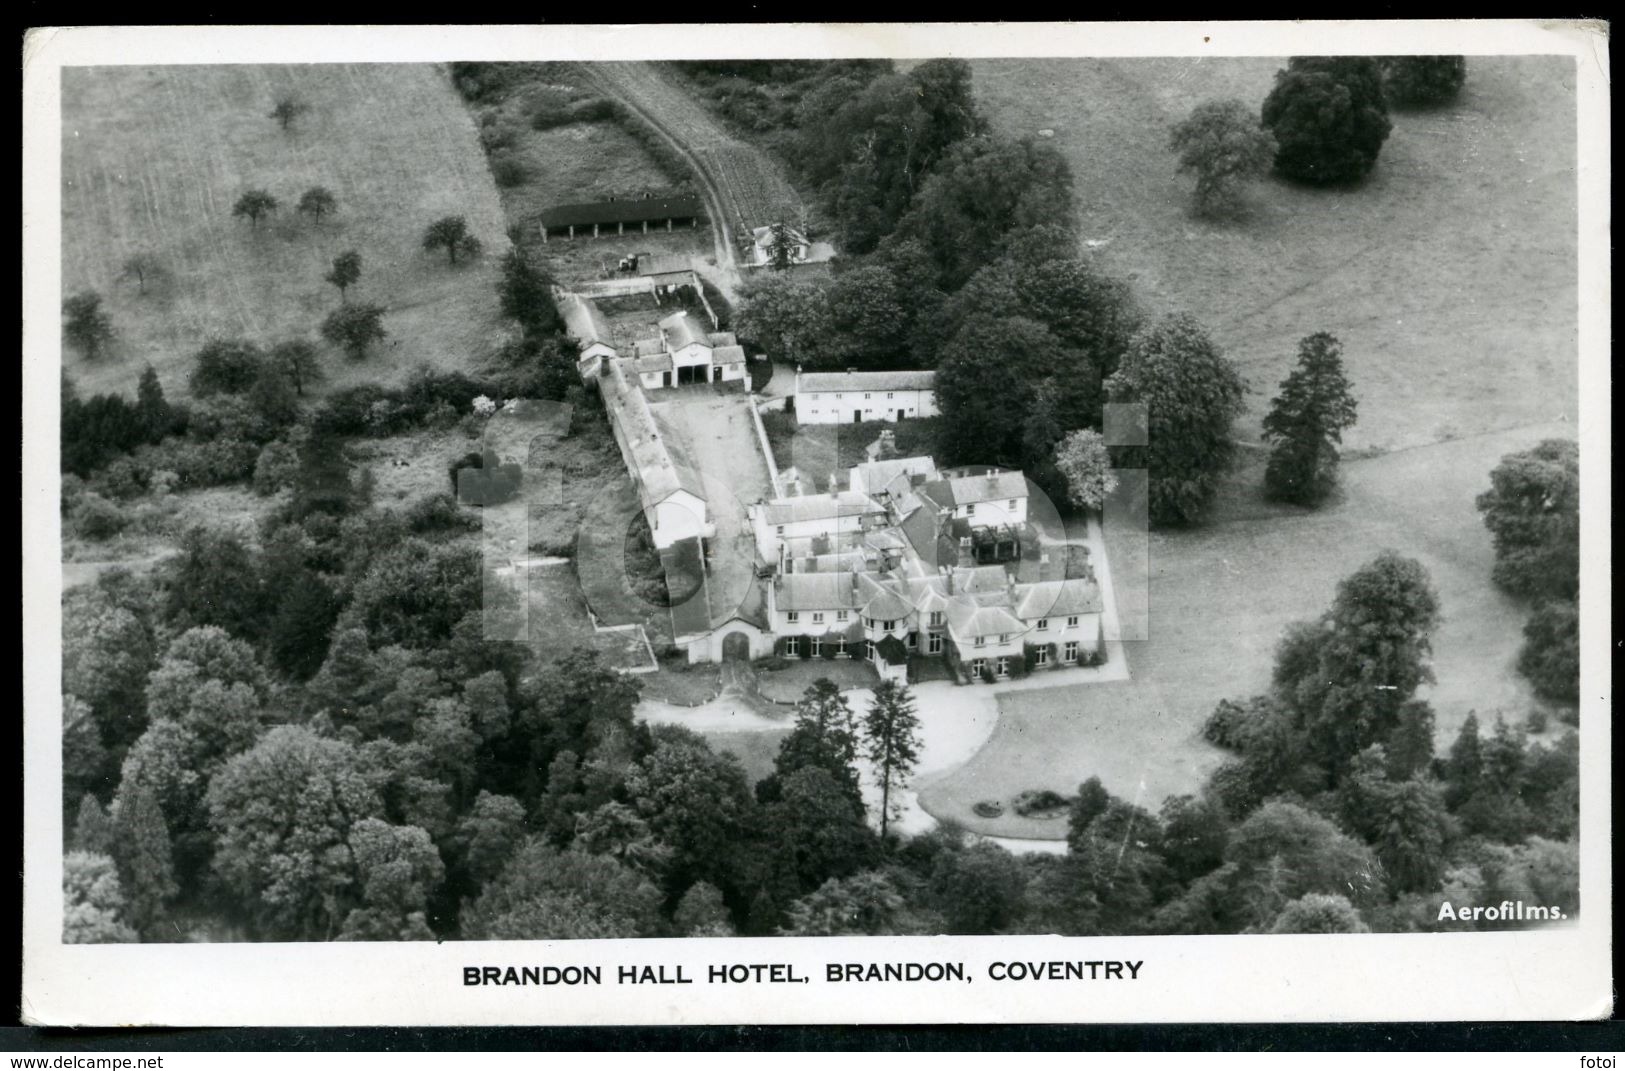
[
  {"x": 839, "y": 407},
  {"x": 679, "y": 516}
]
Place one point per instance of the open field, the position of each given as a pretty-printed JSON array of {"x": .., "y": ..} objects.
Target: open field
[
  {"x": 1449, "y": 275},
  {"x": 155, "y": 157}
]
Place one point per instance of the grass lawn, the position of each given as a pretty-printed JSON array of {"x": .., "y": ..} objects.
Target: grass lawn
[
  {"x": 1449, "y": 275},
  {"x": 787, "y": 685},
  {"x": 755, "y": 749},
  {"x": 154, "y": 158},
  {"x": 1450, "y": 278}
]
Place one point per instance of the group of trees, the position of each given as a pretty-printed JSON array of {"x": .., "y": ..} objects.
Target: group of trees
[
  {"x": 1323, "y": 123},
  {"x": 1532, "y": 509}
]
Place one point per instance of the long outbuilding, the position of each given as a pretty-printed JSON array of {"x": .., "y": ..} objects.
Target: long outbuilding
[{"x": 641, "y": 213}]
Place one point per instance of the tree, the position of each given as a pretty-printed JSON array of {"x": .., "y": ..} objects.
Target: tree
[
  {"x": 451, "y": 234},
  {"x": 254, "y": 204},
  {"x": 1319, "y": 913},
  {"x": 216, "y": 581},
  {"x": 1365, "y": 660},
  {"x": 287, "y": 108},
  {"x": 1224, "y": 145},
  {"x": 345, "y": 271},
  {"x": 355, "y": 327},
  {"x": 986, "y": 385},
  {"x": 545, "y": 894},
  {"x": 818, "y": 828},
  {"x": 1423, "y": 81},
  {"x": 527, "y": 296},
  {"x": 142, "y": 849},
  {"x": 787, "y": 316},
  {"x": 865, "y": 904},
  {"x": 397, "y": 868},
  {"x": 1306, "y": 422},
  {"x": 1533, "y": 511},
  {"x": 981, "y": 889},
  {"x": 141, "y": 267},
  {"x": 781, "y": 247},
  {"x": 316, "y": 202},
  {"x": 299, "y": 632},
  {"x": 226, "y": 366},
  {"x": 282, "y": 814},
  {"x": 1192, "y": 394},
  {"x": 1550, "y": 657},
  {"x": 92, "y": 902},
  {"x": 92, "y": 828},
  {"x": 892, "y": 743},
  {"x": 489, "y": 832},
  {"x": 87, "y": 328},
  {"x": 297, "y": 360},
  {"x": 702, "y": 913},
  {"x": 1086, "y": 464},
  {"x": 1283, "y": 851},
  {"x": 157, "y": 415},
  {"x": 694, "y": 800},
  {"x": 1329, "y": 118},
  {"x": 824, "y": 737}
]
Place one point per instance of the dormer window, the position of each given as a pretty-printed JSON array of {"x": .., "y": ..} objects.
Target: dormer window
[{"x": 936, "y": 617}]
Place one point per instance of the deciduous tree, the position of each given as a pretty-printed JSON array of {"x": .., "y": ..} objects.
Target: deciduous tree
[
  {"x": 345, "y": 271},
  {"x": 1423, "y": 81},
  {"x": 1086, "y": 464},
  {"x": 1192, "y": 394},
  {"x": 287, "y": 108},
  {"x": 451, "y": 233},
  {"x": 1319, "y": 913},
  {"x": 253, "y": 204},
  {"x": 143, "y": 268},
  {"x": 1329, "y": 118},
  {"x": 1222, "y": 143},
  {"x": 1533, "y": 510},
  {"x": 1306, "y": 422},
  {"x": 316, "y": 202},
  {"x": 92, "y": 902},
  {"x": 353, "y": 328},
  {"x": 86, "y": 327}
]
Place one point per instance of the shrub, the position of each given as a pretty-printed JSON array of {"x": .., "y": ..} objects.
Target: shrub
[
  {"x": 1227, "y": 726},
  {"x": 1329, "y": 118},
  {"x": 1037, "y": 801},
  {"x": 1420, "y": 81},
  {"x": 548, "y": 107},
  {"x": 276, "y": 468},
  {"x": 123, "y": 478},
  {"x": 1550, "y": 657},
  {"x": 95, "y": 518},
  {"x": 988, "y": 808},
  {"x": 484, "y": 479},
  {"x": 1537, "y": 721},
  {"x": 439, "y": 512},
  {"x": 508, "y": 170}
]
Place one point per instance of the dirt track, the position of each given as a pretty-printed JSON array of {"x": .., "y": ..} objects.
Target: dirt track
[{"x": 743, "y": 186}]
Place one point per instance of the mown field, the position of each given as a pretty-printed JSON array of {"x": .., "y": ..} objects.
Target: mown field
[
  {"x": 1449, "y": 275},
  {"x": 1450, "y": 278},
  {"x": 155, "y": 157}
]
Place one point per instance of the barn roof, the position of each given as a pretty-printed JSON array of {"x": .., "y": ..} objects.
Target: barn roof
[
  {"x": 819, "y": 507},
  {"x": 680, "y": 329},
  {"x": 728, "y": 355},
  {"x": 628, "y": 210},
  {"x": 665, "y": 264},
  {"x": 818, "y": 382},
  {"x": 583, "y": 320}
]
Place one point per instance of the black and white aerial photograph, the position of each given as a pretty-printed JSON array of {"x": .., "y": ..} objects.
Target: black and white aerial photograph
[{"x": 578, "y": 499}]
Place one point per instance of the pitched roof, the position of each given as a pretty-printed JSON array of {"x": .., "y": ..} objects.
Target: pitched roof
[
  {"x": 990, "y": 487},
  {"x": 680, "y": 329},
  {"x": 1058, "y": 598},
  {"x": 723, "y": 338},
  {"x": 655, "y": 362},
  {"x": 815, "y": 591},
  {"x": 728, "y": 355},
  {"x": 583, "y": 320},
  {"x": 818, "y": 507},
  {"x": 887, "y": 605},
  {"x": 659, "y": 466},
  {"x": 665, "y": 264},
  {"x": 816, "y": 382},
  {"x": 631, "y": 210},
  {"x": 874, "y": 476},
  {"x": 967, "y": 619},
  {"x": 980, "y": 579}
]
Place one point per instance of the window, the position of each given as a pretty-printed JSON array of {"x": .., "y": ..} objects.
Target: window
[
  {"x": 1002, "y": 667},
  {"x": 868, "y": 650},
  {"x": 970, "y": 510},
  {"x": 792, "y": 646},
  {"x": 840, "y": 646},
  {"x": 778, "y": 529},
  {"x": 818, "y": 618},
  {"x": 837, "y": 397},
  {"x": 1072, "y": 622},
  {"x": 933, "y": 643},
  {"x": 817, "y": 646},
  {"x": 1004, "y": 637},
  {"x": 889, "y": 396},
  {"x": 1043, "y": 624},
  {"x": 1069, "y": 653},
  {"x": 865, "y": 398},
  {"x": 1011, "y": 506},
  {"x": 868, "y": 622},
  {"x": 912, "y": 641},
  {"x": 792, "y": 616},
  {"x": 841, "y": 615},
  {"x": 889, "y": 625},
  {"x": 981, "y": 641},
  {"x": 976, "y": 666},
  {"x": 936, "y": 617},
  {"x": 1041, "y": 656}
]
